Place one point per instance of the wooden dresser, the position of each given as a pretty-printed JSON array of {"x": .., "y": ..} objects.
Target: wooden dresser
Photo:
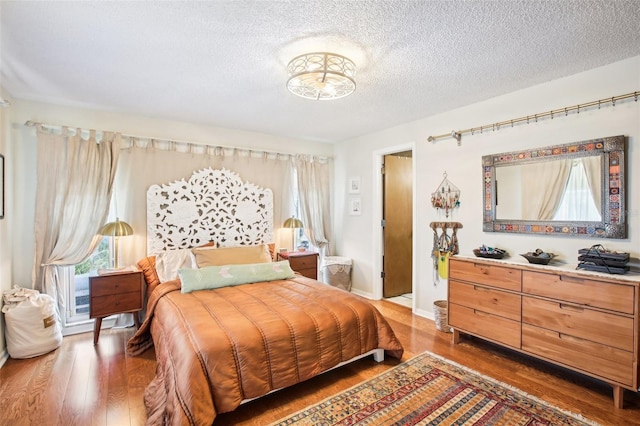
[
  {"x": 303, "y": 262},
  {"x": 584, "y": 321}
]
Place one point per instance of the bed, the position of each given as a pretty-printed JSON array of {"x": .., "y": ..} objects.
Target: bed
[{"x": 221, "y": 343}]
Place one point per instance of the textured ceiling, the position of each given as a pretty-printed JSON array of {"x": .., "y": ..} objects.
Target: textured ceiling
[{"x": 223, "y": 63}]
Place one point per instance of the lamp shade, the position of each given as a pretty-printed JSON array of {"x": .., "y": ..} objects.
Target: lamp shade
[
  {"x": 292, "y": 223},
  {"x": 116, "y": 229}
]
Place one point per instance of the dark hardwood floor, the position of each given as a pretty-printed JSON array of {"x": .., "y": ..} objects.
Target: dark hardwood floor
[{"x": 79, "y": 384}]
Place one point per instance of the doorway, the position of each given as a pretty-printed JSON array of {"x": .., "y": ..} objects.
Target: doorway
[{"x": 397, "y": 227}]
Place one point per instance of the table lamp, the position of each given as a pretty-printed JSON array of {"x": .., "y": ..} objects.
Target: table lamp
[
  {"x": 293, "y": 223},
  {"x": 116, "y": 230}
]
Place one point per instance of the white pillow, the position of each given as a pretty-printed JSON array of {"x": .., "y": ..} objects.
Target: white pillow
[{"x": 168, "y": 263}]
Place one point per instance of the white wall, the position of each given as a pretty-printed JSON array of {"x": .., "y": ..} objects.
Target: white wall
[
  {"x": 5, "y": 223},
  {"x": 463, "y": 167}
]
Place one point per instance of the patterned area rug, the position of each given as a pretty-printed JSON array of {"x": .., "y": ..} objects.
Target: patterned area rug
[{"x": 430, "y": 390}]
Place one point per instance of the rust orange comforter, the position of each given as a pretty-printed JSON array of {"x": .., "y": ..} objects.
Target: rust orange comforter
[{"x": 215, "y": 348}]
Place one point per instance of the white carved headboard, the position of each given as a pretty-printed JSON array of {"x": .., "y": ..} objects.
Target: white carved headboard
[{"x": 212, "y": 205}]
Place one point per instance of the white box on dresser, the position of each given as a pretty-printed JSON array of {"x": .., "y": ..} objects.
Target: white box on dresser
[{"x": 581, "y": 320}]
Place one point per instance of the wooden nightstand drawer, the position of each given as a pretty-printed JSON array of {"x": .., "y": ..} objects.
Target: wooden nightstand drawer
[
  {"x": 114, "y": 284},
  {"x": 103, "y": 306},
  {"x": 115, "y": 294},
  {"x": 303, "y": 262},
  {"x": 309, "y": 273}
]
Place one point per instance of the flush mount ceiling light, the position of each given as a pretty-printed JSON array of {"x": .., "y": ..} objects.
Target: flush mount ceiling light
[{"x": 321, "y": 76}]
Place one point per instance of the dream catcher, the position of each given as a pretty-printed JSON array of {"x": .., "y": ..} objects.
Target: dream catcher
[
  {"x": 445, "y": 244},
  {"x": 446, "y": 197}
]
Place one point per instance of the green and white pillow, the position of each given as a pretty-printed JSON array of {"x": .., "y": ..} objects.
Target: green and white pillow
[{"x": 211, "y": 277}]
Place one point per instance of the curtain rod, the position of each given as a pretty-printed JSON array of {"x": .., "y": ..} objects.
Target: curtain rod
[
  {"x": 457, "y": 135},
  {"x": 31, "y": 123}
]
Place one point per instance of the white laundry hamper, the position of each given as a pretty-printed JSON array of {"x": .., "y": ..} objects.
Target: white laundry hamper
[
  {"x": 336, "y": 271},
  {"x": 32, "y": 323}
]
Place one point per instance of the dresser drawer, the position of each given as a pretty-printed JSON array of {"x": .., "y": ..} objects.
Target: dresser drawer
[
  {"x": 590, "y": 357},
  {"x": 601, "y": 327},
  {"x": 115, "y": 284},
  {"x": 309, "y": 273},
  {"x": 486, "y": 299},
  {"x": 303, "y": 262},
  {"x": 581, "y": 291},
  {"x": 103, "y": 306},
  {"x": 492, "y": 275},
  {"x": 486, "y": 325}
]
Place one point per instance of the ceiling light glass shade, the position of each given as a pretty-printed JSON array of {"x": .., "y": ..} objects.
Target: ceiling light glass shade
[
  {"x": 116, "y": 229},
  {"x": 321, "y": 76},
  {"x": 292, "y": 222}
]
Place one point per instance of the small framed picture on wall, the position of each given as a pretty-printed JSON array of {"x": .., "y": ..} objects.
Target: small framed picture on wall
[
  {"x": 354, "y": 185},
  {"x": 355, "y": 206}
]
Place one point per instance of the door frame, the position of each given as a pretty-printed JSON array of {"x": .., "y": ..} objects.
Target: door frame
[{"x": 377, "y": 252}]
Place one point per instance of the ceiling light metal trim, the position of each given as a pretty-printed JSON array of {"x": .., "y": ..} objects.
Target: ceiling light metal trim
[{"x": 321, "y": 76}]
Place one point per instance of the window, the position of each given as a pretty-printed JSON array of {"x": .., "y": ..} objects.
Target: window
[
  {"x": 78, "y": 291},
  {"x": 300, "y": 237}
]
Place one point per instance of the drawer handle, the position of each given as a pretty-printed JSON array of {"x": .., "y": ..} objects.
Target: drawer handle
[
  {"x": 568, "y": 307},
  {"x": 570, "y": 338},
  {"x": 480, "y": 313},
  {"x": 570, "y": 279}
]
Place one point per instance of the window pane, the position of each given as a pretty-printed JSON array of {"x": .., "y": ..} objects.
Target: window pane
[{"x": 78, "y": 301}]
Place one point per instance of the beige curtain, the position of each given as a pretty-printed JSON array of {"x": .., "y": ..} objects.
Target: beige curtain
[
  {"x": 74, "y": 183},
  {"x": 593, "y": 170},
  {"x": 313, "y": 193},
  {"x": 146, "y": 162},
  {"x": 542, "y": 187}
]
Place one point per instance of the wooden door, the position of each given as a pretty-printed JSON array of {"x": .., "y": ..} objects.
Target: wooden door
[{"x": 398, "y": 225}]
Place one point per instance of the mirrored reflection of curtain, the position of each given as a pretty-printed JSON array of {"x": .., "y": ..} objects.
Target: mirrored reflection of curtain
[
  {"x": 542, "y": 188},
  {"x": 74, "y": 185},
  {"x": 593, "y": 171},
  {"x": 147, "y": 162},
  {"x": 313, "y": 191},
  {"x": 578, "y": 203}
]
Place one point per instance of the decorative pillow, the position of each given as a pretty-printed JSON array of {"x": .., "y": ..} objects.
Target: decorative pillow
[
  {"x": 148, "y": 267},
  {"x": 231, "y": 255},
  {"x": 211, "y": 277},
  {"x": 168, "y": 262}
]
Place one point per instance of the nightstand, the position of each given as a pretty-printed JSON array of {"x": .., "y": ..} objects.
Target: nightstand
[
  {"x": 303, "y": 262},
  {"x": 115, "y": 294}
]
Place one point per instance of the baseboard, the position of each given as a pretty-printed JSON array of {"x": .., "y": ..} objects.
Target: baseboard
[
  {"x": 86, "y": 326},
  {"x": 362, "y": 293},
  {"x": 425, "y": 314},
  {"x": 419, "y": 312},
  {"x": 4, "y": 356}
]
